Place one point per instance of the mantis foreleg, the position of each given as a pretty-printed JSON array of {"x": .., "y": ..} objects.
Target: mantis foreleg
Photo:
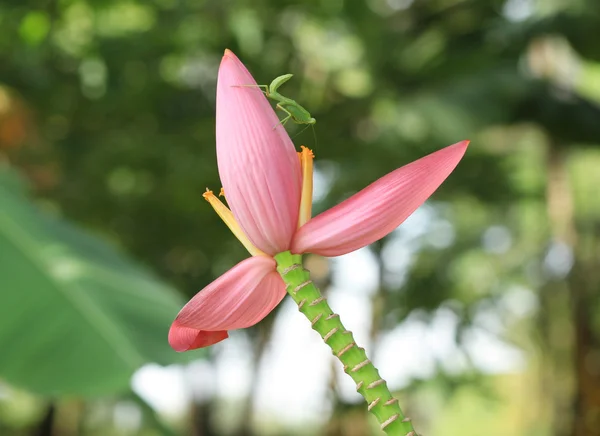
[{"x": 265, "y": 88}]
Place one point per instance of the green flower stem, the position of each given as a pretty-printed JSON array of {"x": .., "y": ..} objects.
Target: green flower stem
[{"x": 356, "y": 364}]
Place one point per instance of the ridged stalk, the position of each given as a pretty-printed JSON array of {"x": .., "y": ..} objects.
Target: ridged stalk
[{"x": 369, "y": 384}]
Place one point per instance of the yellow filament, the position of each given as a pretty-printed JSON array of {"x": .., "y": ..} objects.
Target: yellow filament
[
  {"x": 306, "y": 161},
  {"x": 228, "y": 218}
]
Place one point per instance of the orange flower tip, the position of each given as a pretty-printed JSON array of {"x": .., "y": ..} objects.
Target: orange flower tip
[
  {"x": 208, "y": 194},
  {"x": 227, "y": 52},
  {"x": 308, "y": 150}
]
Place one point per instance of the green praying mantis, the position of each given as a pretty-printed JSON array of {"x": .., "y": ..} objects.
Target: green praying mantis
[{"x": 294, "y": 111}]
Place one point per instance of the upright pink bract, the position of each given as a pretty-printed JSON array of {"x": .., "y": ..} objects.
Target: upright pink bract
[{"x": 257, "y": 161}]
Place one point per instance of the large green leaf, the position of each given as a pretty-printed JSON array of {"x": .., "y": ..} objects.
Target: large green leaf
[{"x": 76, "y": 317}]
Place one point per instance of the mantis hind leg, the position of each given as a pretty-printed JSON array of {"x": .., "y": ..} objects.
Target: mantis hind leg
[
  {"x": 286, "y": 119},
  {"x": 282, "y": 122}
]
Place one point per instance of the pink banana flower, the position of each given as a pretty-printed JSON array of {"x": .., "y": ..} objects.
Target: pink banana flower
[{"x": 269, "y": 191}]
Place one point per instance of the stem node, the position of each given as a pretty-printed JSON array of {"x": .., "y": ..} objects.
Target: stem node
[
  {"x": 346, "y": 348},
  {"x": 373, "y": 404},
  {"x": 390, "y": 420},
  {"x": 317, "y": 301},
  {"x": 376, "y": 383},
  {"x": 330, "y": 334},
  {"x": 361, "y": 365}
]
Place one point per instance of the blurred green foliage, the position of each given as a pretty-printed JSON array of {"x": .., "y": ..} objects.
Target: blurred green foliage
[
  {"x": 107, "y": 107},
  {"x": 77, "y": 318}
]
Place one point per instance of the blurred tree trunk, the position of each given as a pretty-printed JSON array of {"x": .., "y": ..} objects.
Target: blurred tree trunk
[
  {"x": 582, "y": 285},
  {"x": 45, "y": 427},
  {"x": 62, "y": 418},
  {"x": 346, "y": 419},
  {"x": 203, "y": 413},
  {"x": 556, "y": 315},
  {"x": 202, "y": 419},
  {"x": 264, "y": 331},
  {"x": 557, "y": 382}
]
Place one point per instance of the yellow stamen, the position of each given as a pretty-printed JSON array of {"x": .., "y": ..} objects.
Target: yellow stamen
[
  {"x": 306, "y": 161},
  {"x": 227, "y": 217},
  {"x": 222, "y": 193}
]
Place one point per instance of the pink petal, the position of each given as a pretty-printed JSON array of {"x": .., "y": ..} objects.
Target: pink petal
[
  {"x": 185, "y": 338},
  {"x": 240, "y": 298},
  {"x": 378, "y": 209},
  {"x": 257, "y": 163}
]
